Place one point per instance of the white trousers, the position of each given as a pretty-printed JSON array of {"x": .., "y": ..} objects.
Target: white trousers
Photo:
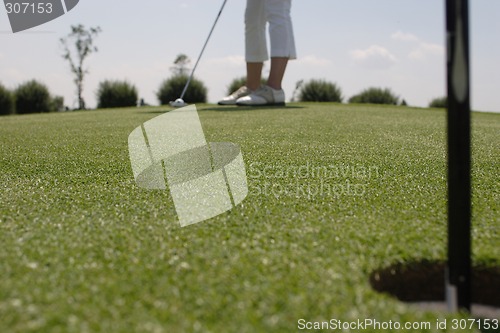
[{"x": 277, "y": 13}]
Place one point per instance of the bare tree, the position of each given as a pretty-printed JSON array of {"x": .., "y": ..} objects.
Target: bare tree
[
  {"x": 180, "y": 67},
  {"x": 78, "y": 45}
]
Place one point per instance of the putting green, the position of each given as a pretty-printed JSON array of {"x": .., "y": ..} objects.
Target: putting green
[{"x": 335, "y": 192}]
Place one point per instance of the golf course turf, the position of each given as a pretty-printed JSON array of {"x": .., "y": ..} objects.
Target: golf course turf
[{"x": 335, "y": 192}]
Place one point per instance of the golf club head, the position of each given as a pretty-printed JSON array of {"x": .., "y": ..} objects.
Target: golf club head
[{"x": 178, "y": 103}]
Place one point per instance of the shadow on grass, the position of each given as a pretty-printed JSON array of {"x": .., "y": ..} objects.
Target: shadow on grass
[
  {"x": 154, "y": 111},
  {"x": 248, "y": 108},
  {"x": 228, "y": 108},
  {"x": 423, "y": 281}
]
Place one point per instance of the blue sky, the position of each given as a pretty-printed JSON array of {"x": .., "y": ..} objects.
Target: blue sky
[{"x": 399, "y": 44}]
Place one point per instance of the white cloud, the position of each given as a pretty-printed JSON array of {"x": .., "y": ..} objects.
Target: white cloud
[
  {"x": 422, "y": 49},
  {"x": 402, "y": 36},
  {"x": 312, "y": 60},
  {"x": 15, "y": 75},
  {"x": 374, "y": 57},
  {"x": 426, "y": 49},
  {"x": 231, "y": 60}
]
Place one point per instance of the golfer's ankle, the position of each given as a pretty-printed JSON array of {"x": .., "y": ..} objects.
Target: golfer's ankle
[
  {"x": 274, "y": 85},
  {"x": 253, "y": 86}
]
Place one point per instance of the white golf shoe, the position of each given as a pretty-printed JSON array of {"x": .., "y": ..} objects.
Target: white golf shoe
[
  {"x": 265, "y": 95},
  {"x": 231, "y": 99}
]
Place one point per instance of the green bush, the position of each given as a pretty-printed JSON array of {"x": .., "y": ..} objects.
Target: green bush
[
  {"x": 439, "y": 102},
  {"x": 171, "y": 89},
  {"x": 375, "y": 96},
  {"x": 114, "y": 94},
  {"x": 320, "y": 91},
  {"x": 57, "y": 103},
  {"x": 6, "y": 101},
  {"x": 240, "y": 82},
  {"x": 32, "y": 97}
]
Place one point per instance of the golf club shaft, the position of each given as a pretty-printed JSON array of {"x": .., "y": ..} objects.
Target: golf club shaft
[{"x": 202, "y": 50}]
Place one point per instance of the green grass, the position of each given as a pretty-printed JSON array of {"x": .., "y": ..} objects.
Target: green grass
[{"x": 83, "y": 249}]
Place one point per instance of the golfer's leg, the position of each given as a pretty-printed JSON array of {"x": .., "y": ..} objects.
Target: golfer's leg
[
  {"x": 282, "y": 39},
  {"x": 254, "y": 75},
  {"x": 255, "y": 41},
  {"x": 278, "y": 67}
]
